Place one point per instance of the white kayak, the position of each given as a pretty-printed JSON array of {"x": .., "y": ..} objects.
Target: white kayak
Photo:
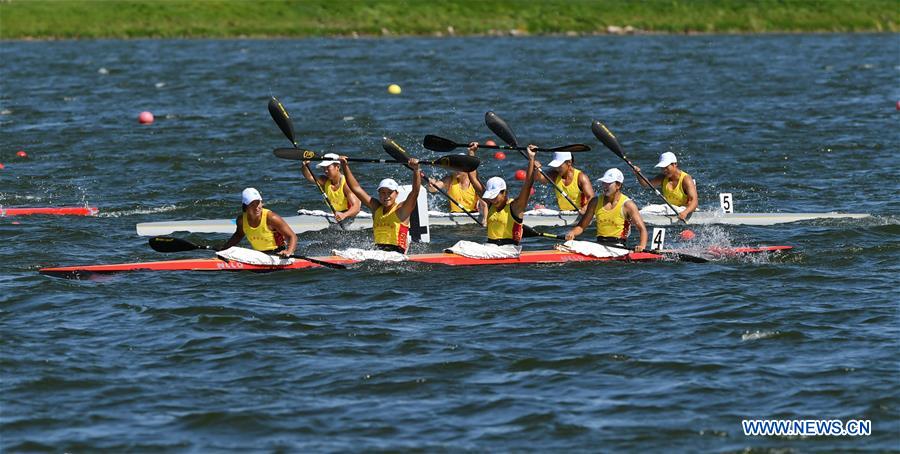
[{"x": 315, "y": 220}]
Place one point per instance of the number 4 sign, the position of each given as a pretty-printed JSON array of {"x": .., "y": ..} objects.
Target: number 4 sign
[{"x": 658, "y": 238}]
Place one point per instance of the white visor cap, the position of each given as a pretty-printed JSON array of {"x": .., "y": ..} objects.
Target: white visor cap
[
  {"x": 250, "y": 195},
  {"x": 666, "y": 158},
  {"x": 559, "y": 158},
  {"x": 389, "y": 183},
  {"x": 332, "y": 158},
  {"x": 613, "y": 176},
  {"x": 493, "y": 187}
]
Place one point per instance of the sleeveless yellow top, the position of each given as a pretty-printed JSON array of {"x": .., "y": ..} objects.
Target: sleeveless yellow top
[
  {"x": 336, "y": 196},
  {"x": 572, "y": 190},
  {"x": 612, "y": 223},
  {"x": 388, "y": 228},
  {"x": 676, "y": 196},
  {"x": 260, "y": 237},
  {"x": 502, "y": 226},
  {"x": 466, "y": 197}
]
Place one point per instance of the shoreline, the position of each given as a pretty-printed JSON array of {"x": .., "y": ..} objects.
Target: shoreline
[{"x": 30, "y": 20}]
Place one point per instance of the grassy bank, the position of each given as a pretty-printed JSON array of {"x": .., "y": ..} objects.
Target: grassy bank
[{"x": 22, "y": 19}]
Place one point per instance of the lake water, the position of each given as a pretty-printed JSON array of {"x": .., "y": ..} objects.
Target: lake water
[{"x": 600, "y": 357}]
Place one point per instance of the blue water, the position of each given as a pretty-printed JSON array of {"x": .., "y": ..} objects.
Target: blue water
[{"x": 610, "y": 357}]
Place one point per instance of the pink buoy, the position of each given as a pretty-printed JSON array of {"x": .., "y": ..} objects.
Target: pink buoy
[
  {"x": 491, "y": 143},
  {"x": 21, "y": 154},
  {"x": 145, "y": 118}
]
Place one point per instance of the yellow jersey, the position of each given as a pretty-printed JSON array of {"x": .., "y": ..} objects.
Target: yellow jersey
[
  {"x": 260, "y": 237},
  {"x": 676, "y": 196},
  {"x": 502, "y": 226},
  {"x": 612, "y": 223},
  {"x": 466, "y": 197},
  {"x": 572, "y": 190},
  {"x": 389, "y": 230},
  {"x": 336, "y": 196}
]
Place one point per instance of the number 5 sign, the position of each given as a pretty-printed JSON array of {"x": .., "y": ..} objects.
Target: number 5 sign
[{"x": 726, "y": 202}]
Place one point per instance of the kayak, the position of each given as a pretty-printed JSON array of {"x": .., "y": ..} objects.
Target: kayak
[
  {"x": 57, "y": 211},
  {"x": 218, "y": 264},
  {"x": 311, "y": 221}
]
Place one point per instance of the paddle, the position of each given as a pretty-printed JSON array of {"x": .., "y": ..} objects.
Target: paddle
[
  {"x": 171, "y": 244},
  {"x": 457, "y": 162},
  {"x": 443, "y": 145},
  {"x": 283, "y": 120},
  {"x": 505, "y": 133},
  {"x": 398, "y": 153},
  {"x": 606, "y": 136},
  {"x": 531, "y": 232}
]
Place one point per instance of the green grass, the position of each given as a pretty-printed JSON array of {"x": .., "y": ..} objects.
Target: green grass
[{"x": 23, "y": 19}]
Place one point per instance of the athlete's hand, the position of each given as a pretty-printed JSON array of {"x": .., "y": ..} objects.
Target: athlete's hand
[
  {"x": 570, "y": 236},
  {"x": 636, "y": 170},
  {"x": 340, "y": 216},
  {"x": 532, "y": 152},
  {"x": 683, "y": 215},
  {"x": 413, "y": 164},
  {"x": 639, "y": 248},
  {"x": 473, "y": 147}
]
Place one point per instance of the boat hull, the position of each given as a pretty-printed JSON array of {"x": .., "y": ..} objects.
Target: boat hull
[
  {"x": 51, "y": 211},
  {"x": 216, "y": 264},
  {"x": 542, "y": 218}
]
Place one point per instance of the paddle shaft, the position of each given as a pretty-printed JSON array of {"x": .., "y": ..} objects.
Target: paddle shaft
[{"x": 280, "y": 117}]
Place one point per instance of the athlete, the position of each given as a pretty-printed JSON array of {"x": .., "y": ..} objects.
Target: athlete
[
  {"x": 504, "y": 216},
  {"x": 265, "y": 230},
  {"x": 677, "y": 187},
  {"x": 390, "y": 220},
  {"x": 459, "y": 187},
  {"x": 345, "y": 203},
  {"x": 615, "y": 214},
  {"x": 574, "y": 182}
]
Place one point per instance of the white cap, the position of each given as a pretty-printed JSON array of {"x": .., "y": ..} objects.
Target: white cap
[
  {"x": 249, "y": 195},
  {"x": 333, "y": 159},
  {"x": 613, "y": 175},
  {"x": 666, "y": 158},
  {"x": 559, "y": 158},
  {"x": 389, "y": 183},
  {"x": 493, "y": 187}
]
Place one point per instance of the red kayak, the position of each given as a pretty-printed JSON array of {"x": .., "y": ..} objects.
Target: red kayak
[
  {"x": 217, "y": 264},
  {"x": 58, "y": 211}
]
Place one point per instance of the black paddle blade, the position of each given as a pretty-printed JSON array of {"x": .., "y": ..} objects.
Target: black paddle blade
[
  {"x": 606, "y": 136},
  {"x": 440, "y": 144},
  {"x": 530, "y": 232},
  {"x": 170, "y": 244},
  {"x": 282, "y": 119},
  {"x": 500, "y": 128},
  {"x": 396, "y": 151},
  {"x": 296, "y": 154},
  {"x": 458, "y": 162},
  {"x": 574, "y": 148}
]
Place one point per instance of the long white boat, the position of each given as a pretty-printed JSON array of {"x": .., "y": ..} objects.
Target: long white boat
[{"x": 310, "y": 221}]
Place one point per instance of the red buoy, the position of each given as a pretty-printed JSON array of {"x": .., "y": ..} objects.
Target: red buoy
[{"x": 145, "y": 118}]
